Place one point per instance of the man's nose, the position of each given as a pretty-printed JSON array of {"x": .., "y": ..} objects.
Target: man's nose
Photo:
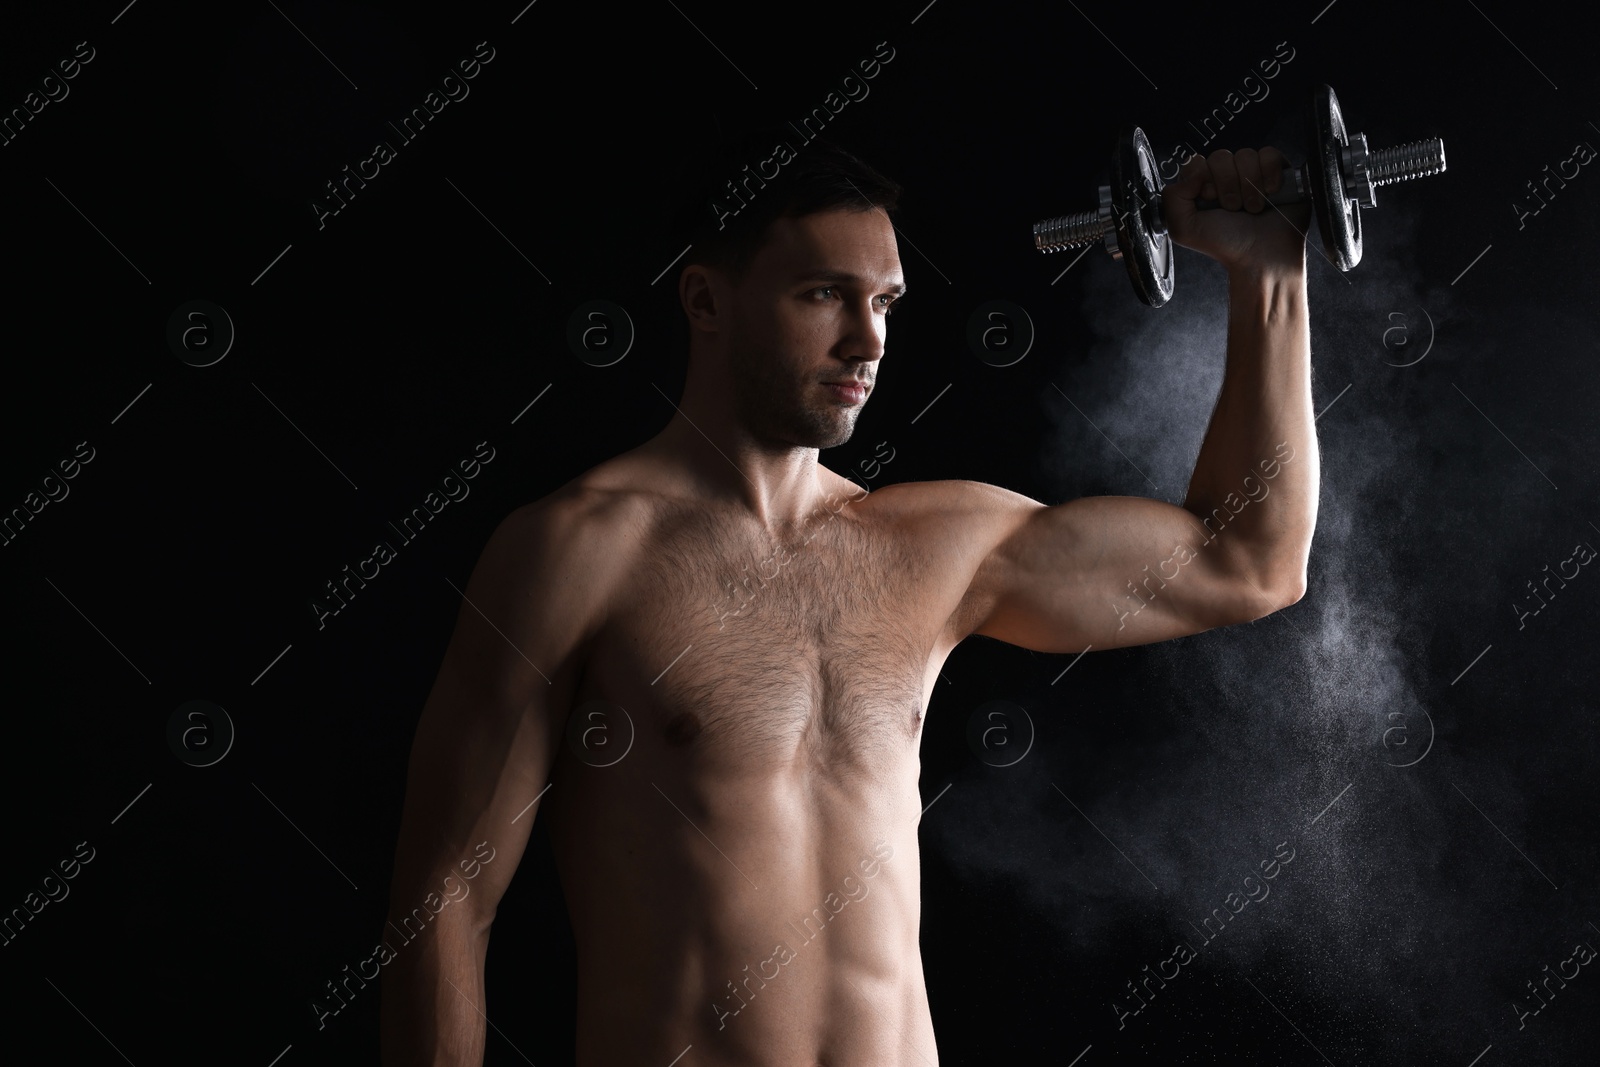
[{"x": 865, "y": 333}]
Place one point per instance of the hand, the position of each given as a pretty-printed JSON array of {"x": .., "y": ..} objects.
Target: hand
[{"x": 1246, "y": 232}]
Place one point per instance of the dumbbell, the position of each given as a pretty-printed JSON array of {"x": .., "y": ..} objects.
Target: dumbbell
[{"x": 1340, "y": 180}]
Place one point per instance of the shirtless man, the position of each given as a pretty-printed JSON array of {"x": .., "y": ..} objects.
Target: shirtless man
[{"x": 743, "y": 882}]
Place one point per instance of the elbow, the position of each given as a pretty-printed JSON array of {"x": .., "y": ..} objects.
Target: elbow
[
  {"x": 1285, "y": 587},
  {"x": 1283, "y": 577},
  {"x": 1271, "y": 590}
]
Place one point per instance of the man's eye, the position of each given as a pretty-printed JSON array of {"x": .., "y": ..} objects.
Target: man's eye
[{"x": 887, "y": 302}]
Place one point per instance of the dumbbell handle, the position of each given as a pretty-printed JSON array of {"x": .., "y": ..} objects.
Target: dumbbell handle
[
  {"x": 1295, "y": 189},
  {"x": 1364, "y": 170}
]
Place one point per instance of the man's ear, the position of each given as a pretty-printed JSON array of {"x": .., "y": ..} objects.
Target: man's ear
[{"x": 702, "y": 291}]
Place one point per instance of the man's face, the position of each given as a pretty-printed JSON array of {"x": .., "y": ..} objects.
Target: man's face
[{"x": 812, "y": 309}]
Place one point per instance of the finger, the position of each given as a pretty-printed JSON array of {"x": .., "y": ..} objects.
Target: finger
[
  {"x": 1249, "y": 164},
  {"x": 1225, "y": 176},
  {"x": 1273, "y": 165},
  {"x": 1192, "y": 177},
  {"x": 1178, "y": 196}
]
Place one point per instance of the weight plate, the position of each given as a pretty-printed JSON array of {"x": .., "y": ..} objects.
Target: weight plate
[
  {"x": 1143, "y": 244},
  {"x": 1338, "y": 216}
]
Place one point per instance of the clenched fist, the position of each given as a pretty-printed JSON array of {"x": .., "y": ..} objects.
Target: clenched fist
[{"x": 1246, "y": 232}]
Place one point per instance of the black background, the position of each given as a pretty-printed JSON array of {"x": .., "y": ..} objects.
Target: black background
[{"x": 379, "y": 349}]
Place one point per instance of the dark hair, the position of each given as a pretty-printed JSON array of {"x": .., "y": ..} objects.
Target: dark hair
[{"x": 737, "y": 196}]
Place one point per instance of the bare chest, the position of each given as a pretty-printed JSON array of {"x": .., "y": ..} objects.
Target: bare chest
[{"x": 734, "y": 647}]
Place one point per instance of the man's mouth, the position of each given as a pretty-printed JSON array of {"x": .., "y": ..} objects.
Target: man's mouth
[{"x": 850, "y": 390}]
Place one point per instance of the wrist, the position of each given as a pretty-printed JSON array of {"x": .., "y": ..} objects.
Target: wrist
[
  {"x": 1268, "y": 291},
  {"x": 1267, "y": 273}
]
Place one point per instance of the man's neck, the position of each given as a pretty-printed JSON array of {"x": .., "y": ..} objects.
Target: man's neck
[{"x": 778, "y": 486}]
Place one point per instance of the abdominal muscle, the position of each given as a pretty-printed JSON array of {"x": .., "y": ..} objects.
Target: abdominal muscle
[{"x": 761, "y": 917}]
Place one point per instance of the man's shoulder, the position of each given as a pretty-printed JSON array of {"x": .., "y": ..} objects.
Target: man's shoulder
[
  {"x": 599, "y": 496},
  {"x": 958, "y": 500},
  {"x": 960, "y": 523},
  {"x": 590, "y": 524},
  {"x": 957, "y": 527}
]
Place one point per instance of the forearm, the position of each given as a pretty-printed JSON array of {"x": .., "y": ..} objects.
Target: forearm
[
  {"x": 433, "y": 996},
  {"x": 1254, "y": 485}
]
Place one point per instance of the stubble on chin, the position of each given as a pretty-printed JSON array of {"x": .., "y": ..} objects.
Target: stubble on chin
[{"x": 779, "y": 406}]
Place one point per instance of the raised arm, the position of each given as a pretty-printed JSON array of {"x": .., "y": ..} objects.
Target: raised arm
[
  {"x": 482, "y": 752},
  {"x": 1106, "y": 572}
]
